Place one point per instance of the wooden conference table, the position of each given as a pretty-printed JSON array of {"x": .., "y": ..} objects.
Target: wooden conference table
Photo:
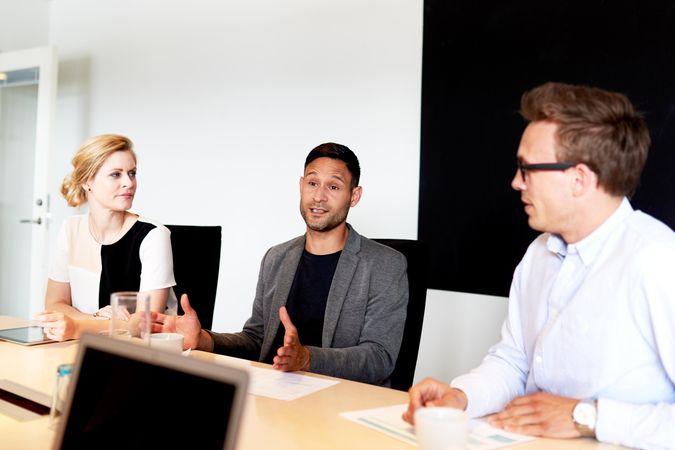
[{"x": 311, "y": 422}]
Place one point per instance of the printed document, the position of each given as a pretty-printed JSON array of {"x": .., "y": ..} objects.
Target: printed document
[
  {"x": 284, "y": 385},
  {"x": 388, "y": 420}
]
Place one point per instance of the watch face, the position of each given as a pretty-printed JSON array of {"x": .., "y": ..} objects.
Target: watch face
[{"x": 584, "y": 414}]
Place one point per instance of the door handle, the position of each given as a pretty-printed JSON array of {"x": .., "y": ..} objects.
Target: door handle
[{"x": 37, "y": 221}]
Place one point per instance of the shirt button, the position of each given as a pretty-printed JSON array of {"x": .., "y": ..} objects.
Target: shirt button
[
  {"x": 554, "y": 312},
  {"x": 538, "y": 359}
]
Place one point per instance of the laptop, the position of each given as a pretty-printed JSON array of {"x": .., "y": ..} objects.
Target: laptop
[{"x": 127, "y": 396}]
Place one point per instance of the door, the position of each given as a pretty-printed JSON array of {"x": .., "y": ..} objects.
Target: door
[{"x": 27, "y": 99}]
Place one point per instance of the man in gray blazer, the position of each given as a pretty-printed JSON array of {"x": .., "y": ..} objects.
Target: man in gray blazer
[{"x": 330, "y": 301}]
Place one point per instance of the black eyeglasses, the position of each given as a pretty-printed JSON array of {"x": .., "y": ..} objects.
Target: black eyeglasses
[{"x": 523, "y": 168}]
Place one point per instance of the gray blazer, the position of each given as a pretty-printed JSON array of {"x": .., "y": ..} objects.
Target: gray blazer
[{"x": 365, "y": 310}]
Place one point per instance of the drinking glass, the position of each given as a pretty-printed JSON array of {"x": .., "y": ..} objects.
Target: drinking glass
[{"x": 130, "y": 315}]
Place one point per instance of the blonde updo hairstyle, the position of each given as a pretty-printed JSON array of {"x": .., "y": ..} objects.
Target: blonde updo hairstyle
[{"x": 88, "y": 160}]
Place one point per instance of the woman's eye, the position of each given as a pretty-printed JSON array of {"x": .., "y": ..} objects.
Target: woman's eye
[{"x": 132, "y": 174}]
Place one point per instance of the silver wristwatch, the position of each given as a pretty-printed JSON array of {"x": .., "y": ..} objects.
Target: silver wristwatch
[{"x": 585, "y": 416}]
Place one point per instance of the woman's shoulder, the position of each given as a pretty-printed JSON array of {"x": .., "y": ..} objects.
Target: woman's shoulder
[
  {"x": 152, "y": 235},
  {"x": 151, "y": 227},
  {"x": 75, "y": 221},
  {"x": 75, "y": 227},
  {"x": 144, "y": 233},
  {"x": 144, "y": 221}
]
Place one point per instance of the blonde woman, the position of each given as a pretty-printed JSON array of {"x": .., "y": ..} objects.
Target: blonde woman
[{"x": 107, "y": 250}]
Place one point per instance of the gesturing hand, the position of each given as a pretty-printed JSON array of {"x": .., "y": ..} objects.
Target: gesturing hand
[
  {"x": 188, "y": 324},
  {"x": 539, "y": 414},
  {"x": 431, "y": 392},
  {"x": 293, "y": 355}
]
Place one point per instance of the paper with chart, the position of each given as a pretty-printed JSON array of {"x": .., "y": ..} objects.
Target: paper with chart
[
  {"x": 283, "y": 385},
  {"x": 388, "y": 420}
]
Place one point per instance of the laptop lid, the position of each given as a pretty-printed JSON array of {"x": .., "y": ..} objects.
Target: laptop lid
[{"x": 126, "y": 396}]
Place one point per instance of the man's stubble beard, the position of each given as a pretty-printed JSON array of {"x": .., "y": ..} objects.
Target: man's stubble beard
[{"x": 329, "y": 223}]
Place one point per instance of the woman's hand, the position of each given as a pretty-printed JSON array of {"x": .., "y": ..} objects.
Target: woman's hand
[
  {"x": 58, "y": 326},
  {"x": 104, "y": 313}
]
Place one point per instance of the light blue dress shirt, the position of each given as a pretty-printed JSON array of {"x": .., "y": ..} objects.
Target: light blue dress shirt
[{"x": 595, "y": 319}]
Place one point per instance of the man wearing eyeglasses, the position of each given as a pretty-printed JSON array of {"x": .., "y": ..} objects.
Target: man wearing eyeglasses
[{"x": 588, "y": 346}]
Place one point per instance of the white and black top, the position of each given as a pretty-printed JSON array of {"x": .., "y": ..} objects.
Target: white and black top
[{"x": 140, "y": 260}]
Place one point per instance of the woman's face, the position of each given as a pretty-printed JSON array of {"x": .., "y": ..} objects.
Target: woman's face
[{"x": 114, "y": 185}]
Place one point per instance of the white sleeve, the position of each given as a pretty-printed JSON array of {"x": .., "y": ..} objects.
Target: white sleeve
[
  {"x": 503, "y": 373},
  {"x": 649, "y": 426},
  {"x": 58, "y": 269},
  {"x": 156, "y": 260}
]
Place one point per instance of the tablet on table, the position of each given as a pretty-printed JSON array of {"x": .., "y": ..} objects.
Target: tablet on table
[{"x": 31, "y": 335}]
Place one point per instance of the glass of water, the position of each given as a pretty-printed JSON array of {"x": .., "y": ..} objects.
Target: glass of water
[{"x": 130, "y": 315}]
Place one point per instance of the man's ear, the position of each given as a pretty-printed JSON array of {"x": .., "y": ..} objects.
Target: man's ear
[
  {"x": 584, "y": 179},
  {"x": 302, "y": 179},
  {"x": 356, "y": 196}
]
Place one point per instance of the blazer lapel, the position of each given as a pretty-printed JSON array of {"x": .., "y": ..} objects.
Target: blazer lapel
[
  {"x": 284, "y": 282},
  {"x": 342, "y": 280}
]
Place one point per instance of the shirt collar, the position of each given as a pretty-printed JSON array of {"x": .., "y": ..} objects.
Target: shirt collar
[{"x": 589, "y": 247}]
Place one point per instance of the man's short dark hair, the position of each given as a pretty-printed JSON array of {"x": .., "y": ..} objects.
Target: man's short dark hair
[
  {"x": 598, "y": 128},
  {"x": 337, "y": 151}
]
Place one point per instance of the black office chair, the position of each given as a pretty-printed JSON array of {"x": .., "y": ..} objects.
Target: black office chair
[
  {"x": 196, "y": 262},
  {"x": 416, "y": 252}
]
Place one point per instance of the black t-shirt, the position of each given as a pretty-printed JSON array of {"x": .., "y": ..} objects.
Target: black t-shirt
[{"x": 306, "y": 303}]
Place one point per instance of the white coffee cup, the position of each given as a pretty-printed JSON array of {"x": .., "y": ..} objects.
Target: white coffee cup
[
  {"x": 172, "y": 342},
  {"x": 441, "y": 428}
]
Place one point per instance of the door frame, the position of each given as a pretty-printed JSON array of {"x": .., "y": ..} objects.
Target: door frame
[{"x": 44, "y": 58}]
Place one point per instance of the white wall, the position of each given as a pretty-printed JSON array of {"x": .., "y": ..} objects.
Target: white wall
[
  {"x": 23, "y": 24},
  {"x": 224, "y": 99}
]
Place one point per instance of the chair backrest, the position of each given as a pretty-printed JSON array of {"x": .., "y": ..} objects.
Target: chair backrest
[
  {"x": 416, "y": 252},
  {"x": 196, "y": 262}
]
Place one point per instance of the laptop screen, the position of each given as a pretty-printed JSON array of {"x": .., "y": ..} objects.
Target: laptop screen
[{"x": 121, "y": 402}]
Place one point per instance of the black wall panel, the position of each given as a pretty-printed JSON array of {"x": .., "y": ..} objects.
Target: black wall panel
[{"x": 479, "y": 57}]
